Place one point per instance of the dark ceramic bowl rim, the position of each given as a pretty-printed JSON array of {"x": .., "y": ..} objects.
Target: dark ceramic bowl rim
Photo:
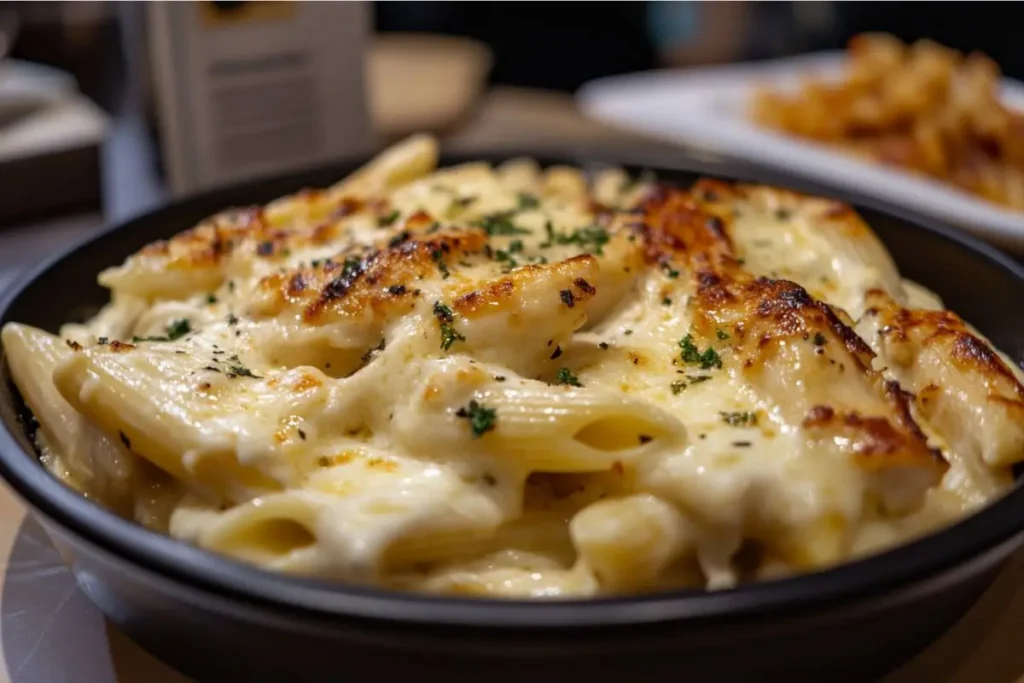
[{"x": 902, "y": 566}]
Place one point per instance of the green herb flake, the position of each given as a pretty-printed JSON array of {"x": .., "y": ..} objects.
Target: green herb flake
[
  {"x": 506, "y": 257},
  {"x": 669, "y": 271},
  {"x": 666, "y": 301},
  {"x": 591, "y": 238},
  {"x": 242, "y": 371},
  {"x": 398, "y": 239},
  {"x": 739, "y": 419},
  {"x": 352, "y": 268},
  {"x": 388, "y": 219},
  {"x": 211, "y": 298},
  {"x": 722, "y": 334},
  {"x": 438, "y": 255},
  {"x": 549, "y": 230},
  {"x": 445, "y": 317},
  {"x": 443, "y": 313},
  {"x": 565, "y": 376},
  {"x": 481, "y": 418},
  {"x": 707, "y": 359},
  {"x": 178, "y": 329},
  {"x": 677, "y": 387},
  {"x": 528, "y": 201},
  {"x": 499, "y": 224}
]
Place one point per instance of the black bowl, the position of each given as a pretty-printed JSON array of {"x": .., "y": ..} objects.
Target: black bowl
[{"x": 220, "y": 620}]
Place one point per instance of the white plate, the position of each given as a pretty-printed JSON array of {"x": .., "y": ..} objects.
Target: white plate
[{"x": 707, "y": 108}]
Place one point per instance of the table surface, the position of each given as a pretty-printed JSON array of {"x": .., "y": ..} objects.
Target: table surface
[{"x": 49, "y": 633}]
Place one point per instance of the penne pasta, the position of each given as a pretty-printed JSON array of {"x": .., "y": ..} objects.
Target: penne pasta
[{"x": 514, "y": 381}]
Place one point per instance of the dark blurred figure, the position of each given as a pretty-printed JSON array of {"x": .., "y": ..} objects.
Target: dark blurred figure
[{"x": 561, "y": 45}]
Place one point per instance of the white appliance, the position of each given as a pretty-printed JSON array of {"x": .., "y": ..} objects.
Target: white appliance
[{"x": 250, "y": 89}]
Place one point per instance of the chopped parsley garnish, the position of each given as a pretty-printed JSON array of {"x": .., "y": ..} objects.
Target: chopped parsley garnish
[
  {"x": 707, "y": 359},
  {"x": 176, "y": 330},
  {"x": 677, "y": 387},
  {"x": 211, "y": 298},
  {"x": 398, "y": 239},
  {"x": 627, "y": 332},
  {"x": 500, "y": 224},
  {"x": 565, "y": 376},
  {"x": 481, "y": 418},
  {"x": 302, "y": 434},
  {"x": 667, "y": 301},
  {"x": 697, "y": 379},
  {"x": 388, "y": 219},
  {"x": 669, "y": 271},
  {"x": 505, "y": 256},
  {"x": 603, "y": 346},
  {"x": 445, "y": 317},
  {"x": 443, "y": 313},
  {"x": 103, "y": 340},
  {"x": 396, "y": 290},
  {"x": 242, "y": 371},
  {"x": 549, "y": 229},
  {"x": 819, "y": 339},
  {"x": 352, "y": 267},
  {"x": 743, "y": 419},
  {"x": 232, "y": 319},
  {"x": 591, "y": 238},
  {"x": 528, "y": 201},
  {"x": 438, "y": 255},
  {"x": 722, "y": 334}
]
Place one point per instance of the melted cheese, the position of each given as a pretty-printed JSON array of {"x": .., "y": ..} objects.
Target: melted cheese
[{"x": 510, "y": 382}]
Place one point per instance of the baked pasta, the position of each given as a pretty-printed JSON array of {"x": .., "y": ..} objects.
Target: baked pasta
[{"x": 523, "y": 382}]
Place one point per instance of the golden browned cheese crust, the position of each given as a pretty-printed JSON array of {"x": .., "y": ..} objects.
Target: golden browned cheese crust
[{"x": 762, "y": 315}]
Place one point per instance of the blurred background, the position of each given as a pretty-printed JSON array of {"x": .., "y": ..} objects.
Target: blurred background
[{"x": 108, "y": 109}]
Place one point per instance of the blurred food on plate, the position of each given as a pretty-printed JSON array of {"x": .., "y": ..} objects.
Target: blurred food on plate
[{"x": 922, "y": 107}]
